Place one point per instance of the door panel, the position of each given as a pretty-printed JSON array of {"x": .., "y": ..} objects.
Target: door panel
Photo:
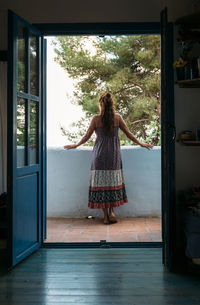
[
  {"x": 25, "y": 232},
  {"x": 24, "y": 139},
  {"x": 168, "y": 145}
]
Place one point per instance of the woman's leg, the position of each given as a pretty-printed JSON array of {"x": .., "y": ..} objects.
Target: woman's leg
[
  {"x": 111, "y": 211},
  {"x": 106, "y": 218},
  {"x": 112, "y": 217}
]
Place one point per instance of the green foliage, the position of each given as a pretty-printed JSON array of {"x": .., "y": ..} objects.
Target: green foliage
[
  {"x": 22, "y": 108},
  {"x": 81, "y": 126},
  {"x": 21, "y": 125},
  {"x": 127, "y": 66}
]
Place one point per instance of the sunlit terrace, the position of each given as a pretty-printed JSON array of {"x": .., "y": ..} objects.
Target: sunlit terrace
[{"x": 139, "y": 220}]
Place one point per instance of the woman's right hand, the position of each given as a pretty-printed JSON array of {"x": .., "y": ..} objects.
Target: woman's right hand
[
  {"x": 146, "y": 145},
  {"x": 70, "y": 146}
]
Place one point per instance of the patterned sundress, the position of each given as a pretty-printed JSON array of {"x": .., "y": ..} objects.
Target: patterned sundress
[{"x": 107, "y": 188}]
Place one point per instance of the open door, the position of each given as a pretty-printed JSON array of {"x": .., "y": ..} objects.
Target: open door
[
  {"x": 25, "y": 139},
  {"x": 168, "y": 141}
]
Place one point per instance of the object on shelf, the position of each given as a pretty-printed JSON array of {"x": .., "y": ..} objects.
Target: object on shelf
[
  {"x": 190, "y": 219},
  {"x": 180, "y": 73},
  {"x": 194, "y": 72},
  {"x": 189, "y": 70},
  {"x": 196, "y": 261},
  {"x": 179, "y": 65},
  {"x": 188, "y": 65},
  {"x": 197, "y": 131},
  {"x": 187, "y": 135}
]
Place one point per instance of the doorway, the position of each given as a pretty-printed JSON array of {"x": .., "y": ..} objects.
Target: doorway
[
  {"x": 79, "y": 68},
  {"x": 27, "y": 180}
]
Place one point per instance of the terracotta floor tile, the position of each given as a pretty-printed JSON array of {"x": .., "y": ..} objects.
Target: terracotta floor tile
[
  {"x": 93, "y": 230},
  {"x": 155, "y": 236},
  {"x": 144, "y": 237}
]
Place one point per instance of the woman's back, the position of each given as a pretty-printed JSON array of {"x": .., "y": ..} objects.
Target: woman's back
[{"x": 98, "y": 120}]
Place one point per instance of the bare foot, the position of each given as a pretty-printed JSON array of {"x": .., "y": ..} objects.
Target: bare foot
[
  {"x": 106, "y": 221},
  {"x": 112, "y": 217}
]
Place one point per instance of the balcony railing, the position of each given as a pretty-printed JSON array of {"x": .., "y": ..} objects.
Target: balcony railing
[{"x": 68, "y": 181}]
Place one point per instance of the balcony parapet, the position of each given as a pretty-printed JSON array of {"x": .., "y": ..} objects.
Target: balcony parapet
[{"x": 68, "y": 180}]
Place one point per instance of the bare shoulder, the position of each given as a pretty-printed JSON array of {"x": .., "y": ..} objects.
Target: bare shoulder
[
  {"x": 96, "y": 117},
  {"x": 118, "y": 116}
]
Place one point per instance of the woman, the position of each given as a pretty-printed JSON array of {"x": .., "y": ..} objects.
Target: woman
[{"x": 107, "y": 189}]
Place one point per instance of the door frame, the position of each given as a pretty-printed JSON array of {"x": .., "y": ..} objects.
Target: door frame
[{"x": 124, "y": 28}]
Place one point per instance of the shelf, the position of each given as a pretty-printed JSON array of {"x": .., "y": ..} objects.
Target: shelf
[
  {"x": 189, "y": 83},
  {"x": 189, "y": 143}
]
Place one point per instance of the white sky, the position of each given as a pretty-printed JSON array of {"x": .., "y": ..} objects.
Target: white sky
[{"x": 59, "y": 109}]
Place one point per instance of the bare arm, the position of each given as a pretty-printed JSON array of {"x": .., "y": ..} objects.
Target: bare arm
[
  {"x": 86, "y": 137},
  {"x": 124, "y": 128}
]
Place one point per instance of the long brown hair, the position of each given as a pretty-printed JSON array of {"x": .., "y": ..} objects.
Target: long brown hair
[{"x": 108, "y": 111}]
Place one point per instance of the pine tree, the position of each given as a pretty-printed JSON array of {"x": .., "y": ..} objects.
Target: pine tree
[{"x": 128, "y": 67}]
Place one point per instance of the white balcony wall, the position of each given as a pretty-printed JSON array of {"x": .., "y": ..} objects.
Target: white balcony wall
[{"x": 68, "y": 181}]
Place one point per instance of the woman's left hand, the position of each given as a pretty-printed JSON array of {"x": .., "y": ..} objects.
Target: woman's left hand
[
  {"x": 146, "y": 145},
  {"x": 71, "y": 146}
]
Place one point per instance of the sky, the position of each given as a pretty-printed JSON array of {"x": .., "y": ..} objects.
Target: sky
[{"x": 59, "y": 92}]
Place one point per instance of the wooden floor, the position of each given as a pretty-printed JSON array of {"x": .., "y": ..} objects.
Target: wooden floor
[{"x": 97, "y": 276}]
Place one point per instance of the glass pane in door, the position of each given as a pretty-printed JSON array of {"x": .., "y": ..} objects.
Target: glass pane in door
[
  {"x": 21, "y": 132},
  {"x": 33, "y": 64},
  {"x": 33, "y": 132},
  {"x": 21, "y": 59}
]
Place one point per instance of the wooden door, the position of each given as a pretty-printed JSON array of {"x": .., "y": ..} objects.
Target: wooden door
[
  {"x": 168, "y": 141},
  {"x": 25, "y": 139}
]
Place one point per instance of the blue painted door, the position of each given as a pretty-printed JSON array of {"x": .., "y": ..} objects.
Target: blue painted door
[
  {"x": 168, "y": 141},
  {"x": 25, "y": 139}
]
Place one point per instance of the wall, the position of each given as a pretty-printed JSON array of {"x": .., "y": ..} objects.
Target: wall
[
  {"x": 48, "y": 11},
  {"x": 187, "y": 111},
  {"x": 105, "y": 11},
  {"x": 68, "y": 181}
]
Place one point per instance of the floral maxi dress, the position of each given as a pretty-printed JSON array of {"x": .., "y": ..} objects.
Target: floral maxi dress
[{"x": 107, "y": 188}]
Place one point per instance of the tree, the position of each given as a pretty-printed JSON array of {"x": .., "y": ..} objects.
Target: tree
[
  {"x": 127, "y": 66},
  {"x": 22, "y": 86}
]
